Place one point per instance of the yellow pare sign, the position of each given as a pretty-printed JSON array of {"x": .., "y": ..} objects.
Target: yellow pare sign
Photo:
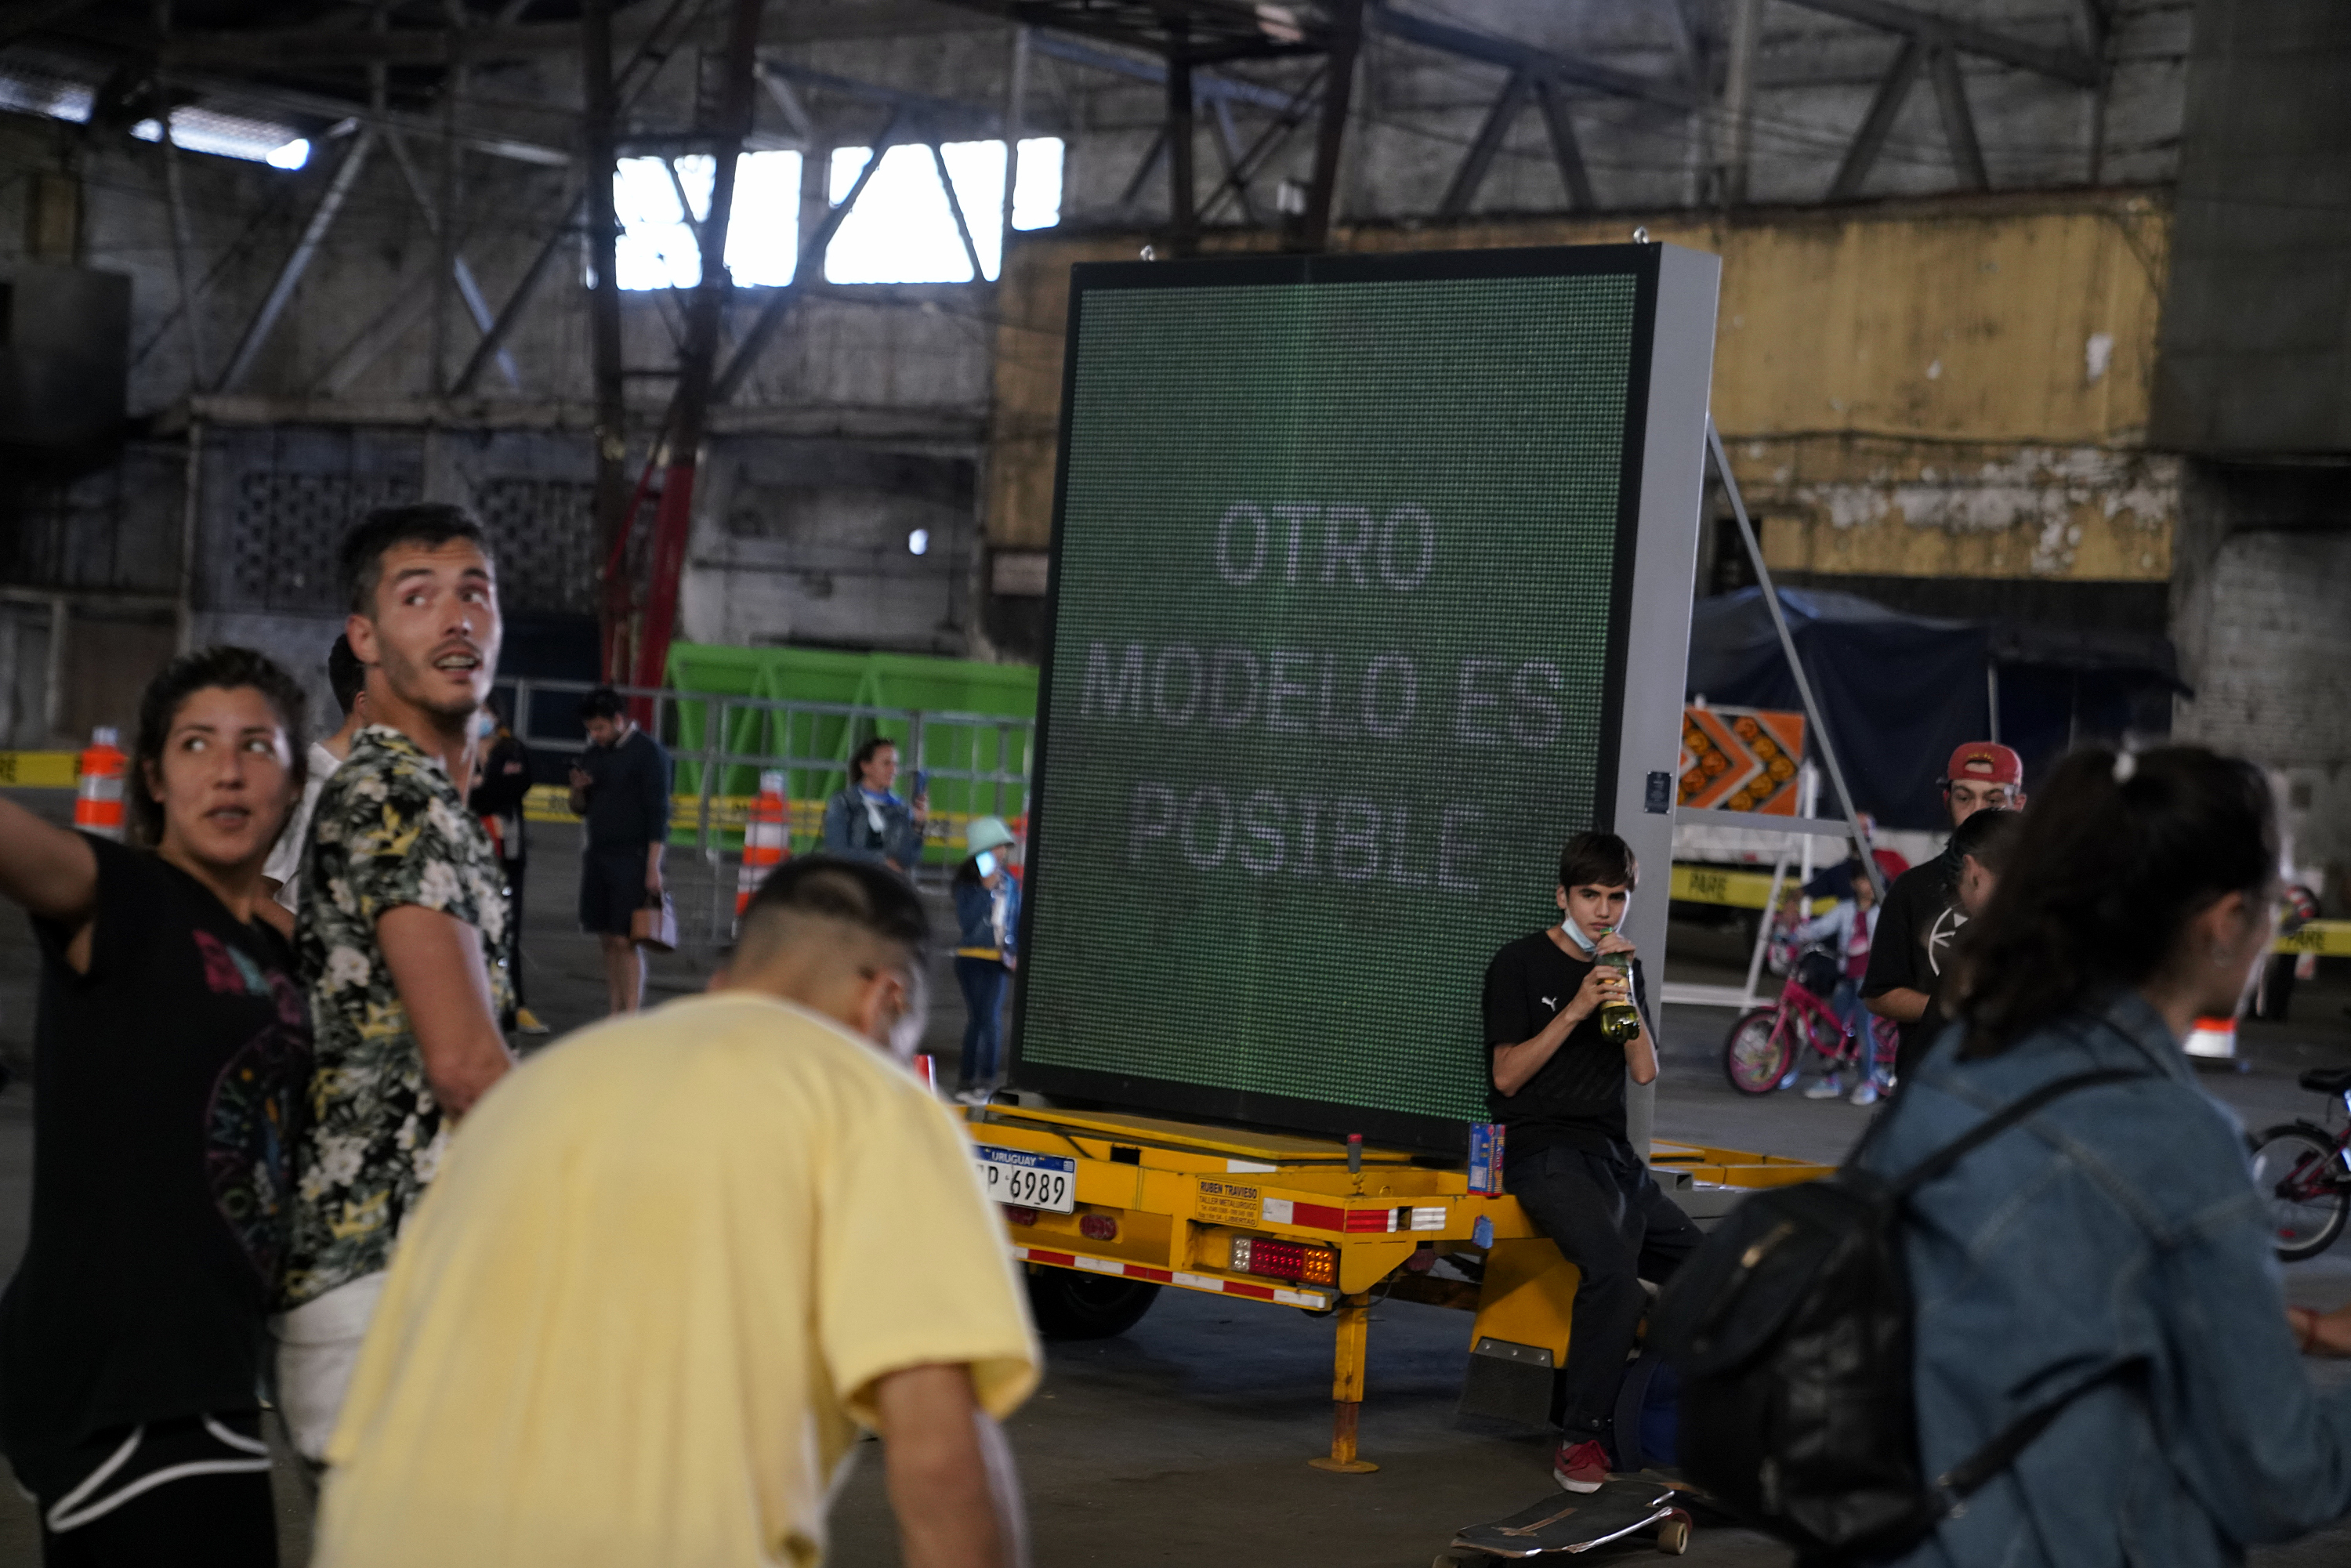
[
  {"x": 2329, "y": 938},
  {"x": 39, "y": 769}
]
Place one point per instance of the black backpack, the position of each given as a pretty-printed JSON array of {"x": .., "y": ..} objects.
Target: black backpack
[{"x": 1789, "y": 1328}]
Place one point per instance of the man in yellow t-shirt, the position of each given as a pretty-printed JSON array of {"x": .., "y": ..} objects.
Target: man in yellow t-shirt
[{"x": 668, "y": 1267}]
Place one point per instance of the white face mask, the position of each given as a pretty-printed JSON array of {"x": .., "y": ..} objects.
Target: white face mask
[{"x": 906, "y": 1034}]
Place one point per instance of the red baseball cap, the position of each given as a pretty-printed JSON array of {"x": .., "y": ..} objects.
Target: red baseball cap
[{"x": 1985, "y": 762}]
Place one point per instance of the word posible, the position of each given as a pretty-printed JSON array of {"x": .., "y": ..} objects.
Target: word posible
[
  {"x": 1290, "y": 690},
  {"x": 1341, "y": 838}
]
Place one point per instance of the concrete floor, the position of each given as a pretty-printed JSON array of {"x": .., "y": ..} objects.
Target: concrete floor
[{"x": 1184, "y": 1440}]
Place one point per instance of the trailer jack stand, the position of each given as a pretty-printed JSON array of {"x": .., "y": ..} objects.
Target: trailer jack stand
[{"x": 1347, "y": 1388}]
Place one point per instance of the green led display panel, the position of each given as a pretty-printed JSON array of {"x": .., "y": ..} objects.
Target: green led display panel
[{"x": 1339, "y": 583}]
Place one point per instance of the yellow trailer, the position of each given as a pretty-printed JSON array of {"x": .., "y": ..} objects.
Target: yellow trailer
[{"x": 1102, "y": 1206}]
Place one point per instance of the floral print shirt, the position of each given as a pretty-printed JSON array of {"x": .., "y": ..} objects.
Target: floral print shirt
[{"x": 390, "y": 829}]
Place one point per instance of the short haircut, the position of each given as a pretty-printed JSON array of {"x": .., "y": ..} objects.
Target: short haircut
[
  {"x": 428, "y": 523},
  {"x": 869, "y": 899},
  {"x": 1598, "y": 859},
  {"x": 1986, "y": 837},
  {"x": 345, "y": 674},
  {"x": 229, "y": 669},
  {"x": 602, "y": 702}
]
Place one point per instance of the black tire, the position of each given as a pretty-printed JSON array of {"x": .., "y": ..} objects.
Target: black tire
[
  {"x": 2306, "y": 1223},
  {"x": 1748, "y": 1052},
  {"x": 1071, "y": 1304}
]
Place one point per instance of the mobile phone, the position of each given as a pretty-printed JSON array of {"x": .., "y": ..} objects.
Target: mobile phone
[
  {"x": 986, "y": 860},
  {"x": 921, "y": 783}
]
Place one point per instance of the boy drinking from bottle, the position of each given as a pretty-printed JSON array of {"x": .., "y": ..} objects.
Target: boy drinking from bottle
[{"x": 1564, "y": 1027}]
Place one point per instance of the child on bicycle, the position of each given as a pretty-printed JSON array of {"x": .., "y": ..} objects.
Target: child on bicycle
[{"x": 1845, "y": 930}]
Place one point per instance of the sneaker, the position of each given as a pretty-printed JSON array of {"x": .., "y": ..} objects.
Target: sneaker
[
  {"x": 972, "y": 1096},
  {"x": 528, "y": 1022},
  {"x": 1580, "y": 1466},
  {"x": 1829, "y": 1088},
  {"x": 1867, "y": 1093}
]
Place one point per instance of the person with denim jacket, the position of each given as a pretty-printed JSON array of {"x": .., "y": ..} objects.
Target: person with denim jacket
[
  {"x": 987, "y": 921},
  {"x": 2112, "y": 1247},
  {"x": 867, "y": 820}
]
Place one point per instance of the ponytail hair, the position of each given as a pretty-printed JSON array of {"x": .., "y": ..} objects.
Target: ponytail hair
[{"x": 2116, "y": 853}]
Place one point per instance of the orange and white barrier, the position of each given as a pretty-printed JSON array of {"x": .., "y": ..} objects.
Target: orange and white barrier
[
  {"x": 98, "y": 798},
  {"x": 764, "y": 841},
  {"x": 2215, "y": 1040}
]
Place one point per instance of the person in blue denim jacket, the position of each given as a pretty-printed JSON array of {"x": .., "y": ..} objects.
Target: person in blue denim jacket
[
  {"x": 987, "y": 921},
  {"x": 2113, "y": 1243},
  {"x": 865, "y": 820}
]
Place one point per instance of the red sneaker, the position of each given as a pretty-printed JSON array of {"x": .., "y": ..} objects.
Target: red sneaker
[{"x": 1580, "y": 1466}]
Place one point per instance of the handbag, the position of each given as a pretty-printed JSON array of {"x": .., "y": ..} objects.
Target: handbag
[{"x": 656, "y": 925}]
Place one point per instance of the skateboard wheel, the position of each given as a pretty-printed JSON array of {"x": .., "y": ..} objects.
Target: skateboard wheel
[{"x": 1673, "y": 1535}]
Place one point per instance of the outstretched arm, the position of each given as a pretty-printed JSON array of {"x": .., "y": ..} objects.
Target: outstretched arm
[{"x": 48, "y": 868}]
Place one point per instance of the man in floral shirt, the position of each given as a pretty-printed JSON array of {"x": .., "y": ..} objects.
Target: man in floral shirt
[{"x": 404, "y": 909}]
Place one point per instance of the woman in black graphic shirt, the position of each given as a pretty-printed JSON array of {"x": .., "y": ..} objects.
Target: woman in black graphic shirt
[{"x": 170, "y": 1050}]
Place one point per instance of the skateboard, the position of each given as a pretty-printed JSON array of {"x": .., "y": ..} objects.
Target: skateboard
[{"x": 1570, "y": 1523}]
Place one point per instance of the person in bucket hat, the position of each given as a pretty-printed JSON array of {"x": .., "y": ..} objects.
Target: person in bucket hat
[{"x": 987, "y": 915}]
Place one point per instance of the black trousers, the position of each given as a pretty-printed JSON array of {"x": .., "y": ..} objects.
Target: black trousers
[
  {"x": 1610, "y": 1219},
  {"x": 195, "y": 1522},
  {"x": 514, "y": 870}
]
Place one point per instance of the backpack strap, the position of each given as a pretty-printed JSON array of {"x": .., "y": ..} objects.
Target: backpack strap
[
  {"x": 1954, "y": 1486},
  {"x": 1940, "y": 1162}
]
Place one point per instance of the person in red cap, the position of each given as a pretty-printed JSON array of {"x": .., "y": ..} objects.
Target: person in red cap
[{"x": 1913, "y": 942}]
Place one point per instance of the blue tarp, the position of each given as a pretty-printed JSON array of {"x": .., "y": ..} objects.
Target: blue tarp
[{"x": 1899, "y": 692}]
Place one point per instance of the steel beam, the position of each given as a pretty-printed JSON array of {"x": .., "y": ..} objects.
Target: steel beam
[
  {"x": 1182, "y": 192},
  {"x": 1959, "y": 122},
  {"x": 1511, "y": 54},
  {"x": 921, "y": 110},
  {"x": 298, "y": 261},
  {"x": 1928, "y": 27},
  {"x": 771, "y": 315},
  {"x": 1331, "y": 131},
  {"x": 1269, "y": 140},
  {"x": 1488, "y": 141},
  {"x": 469, "y": 291},
  {"x": 493, "y": 343},
  {"x": 1236, "y": 179},
  {"x": 1206, "y": 85},
  {"x": 1876, "y": 125},
  {"x": 1144, "y": 169},
  {"x": 600, "y": 116},
  {"x": 1565, "y": 149},
  {"x": 955, "y": 208}
]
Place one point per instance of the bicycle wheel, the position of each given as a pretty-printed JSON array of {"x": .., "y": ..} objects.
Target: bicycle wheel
[
  {"x": 2300, "y": 1177},
  {"x": 1757, "y": 1053}
]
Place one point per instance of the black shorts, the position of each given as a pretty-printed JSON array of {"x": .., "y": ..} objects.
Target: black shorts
[{"x": 612, "y": 888}]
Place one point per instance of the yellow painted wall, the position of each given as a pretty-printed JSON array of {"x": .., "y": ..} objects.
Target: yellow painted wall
[{"x": 1949, "y": 387}]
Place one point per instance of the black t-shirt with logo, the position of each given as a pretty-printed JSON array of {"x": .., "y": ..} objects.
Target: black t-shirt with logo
[
  {"x": 167, "y": 1082},
  {"x": 1576, "y": 1098},
  {"x": 1912, "y": 948}
]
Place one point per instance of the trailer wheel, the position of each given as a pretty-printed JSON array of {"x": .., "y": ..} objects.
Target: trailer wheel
[{"x": 1071, "y": 1305}]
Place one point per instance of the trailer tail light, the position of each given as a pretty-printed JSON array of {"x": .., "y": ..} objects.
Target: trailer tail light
[
  {"x": 1019, "y": 1214},
  {"x": 1307, "y": 1264},
  {"x": 1099, "y": 1227}
]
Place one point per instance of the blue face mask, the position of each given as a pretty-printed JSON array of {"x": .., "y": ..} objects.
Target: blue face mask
[
  {"x": 485, "y": 723},
  {"x": 1575, "y": 934}
]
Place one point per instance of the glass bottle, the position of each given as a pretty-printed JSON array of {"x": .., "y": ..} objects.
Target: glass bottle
[{"x": 1620, "y": 1020}]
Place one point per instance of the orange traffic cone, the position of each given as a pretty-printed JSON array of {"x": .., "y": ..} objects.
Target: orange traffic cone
[
  {"x": 2214, "y": 1039},
  {"x": 765, "y": 842},
  {"x": 98, "y": 800}
]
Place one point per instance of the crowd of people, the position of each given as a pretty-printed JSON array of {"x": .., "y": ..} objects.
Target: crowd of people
[
  {"x": 634, "y": 1314},
  {"x": 638, "y": 1308}
]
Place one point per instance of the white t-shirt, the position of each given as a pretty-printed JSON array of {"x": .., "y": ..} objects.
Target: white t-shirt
[{"x": 284, "y": 866}]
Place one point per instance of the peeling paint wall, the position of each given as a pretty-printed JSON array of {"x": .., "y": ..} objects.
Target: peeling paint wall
[{"x": 1948, "y": 387}]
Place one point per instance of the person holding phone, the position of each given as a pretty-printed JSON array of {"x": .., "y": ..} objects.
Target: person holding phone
[
  {"x": 987, "y": 915},
  {"x": 866, "y": 819}
]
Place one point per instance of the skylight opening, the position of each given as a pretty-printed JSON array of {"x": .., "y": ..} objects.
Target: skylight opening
[
  {"x": 903, "y": 229},
  {"x": 656, "y": 247}
]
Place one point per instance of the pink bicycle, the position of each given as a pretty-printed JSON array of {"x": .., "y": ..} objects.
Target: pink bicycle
[{"x": 1763, "y": 1047}]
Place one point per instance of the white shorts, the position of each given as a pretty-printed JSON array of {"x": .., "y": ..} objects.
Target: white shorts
[{"x": 318, "y": 1345}]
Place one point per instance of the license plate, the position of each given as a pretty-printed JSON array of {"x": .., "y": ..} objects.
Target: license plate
[{"x": 1033, "y": 1181}]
